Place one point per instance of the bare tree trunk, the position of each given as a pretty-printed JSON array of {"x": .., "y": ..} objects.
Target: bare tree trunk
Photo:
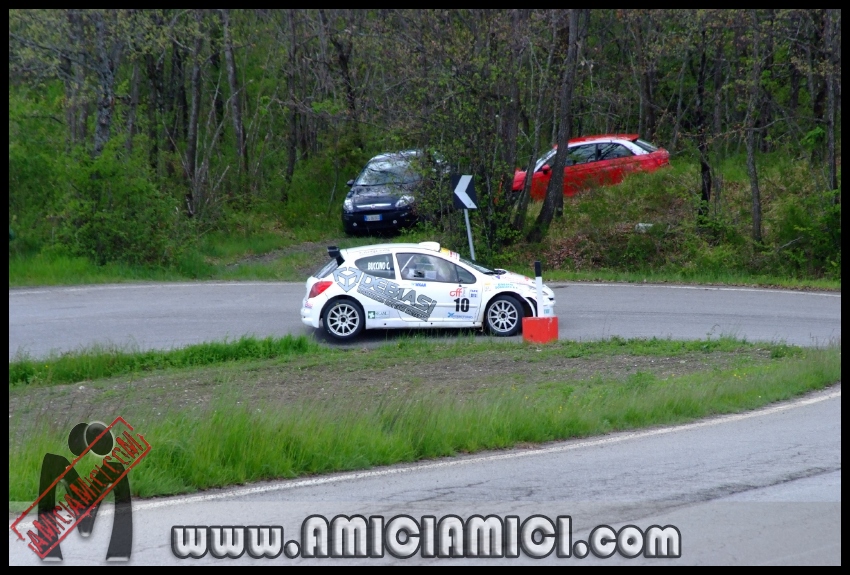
[
  {"x": 181, "y": 115},
  {"x": 702, "y": 130},
  {"x": 752, "y": 108},
  {"x": 509, "y": 122},
  {"x": 170, "y": 112},
  {"x": 681, "y": 82},
  {"x": 83, "y": 120},
  {"x": 235, "y": 96},
  {"x": 817, "y": 88},
  {"x": 766, "y": 112},
  {"x": 76, "y": 80},
  {"x": 556, "y": 183},
  {"x": 134, "y": 104},
  {"x": 343, "y": 49},
  {"x": 718, "y": 89},
  {"x": 66, "y": 68},
  {"x": 292, "y": 140},
  {"x": 646, "y": 83},
  {"x": 215, "y": 66},
  {"x": 194, "y": 112},
  {"x": 154, "y": 71},
  {"x": 648, "y": 112},
  {"x": 833, "y": 23},
  {"x": 107, "y": 62},
  {"x": 525, "y": 194}
]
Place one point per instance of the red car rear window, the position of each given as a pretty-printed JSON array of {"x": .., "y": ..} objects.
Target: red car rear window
[{"x": 645, "y": 145}]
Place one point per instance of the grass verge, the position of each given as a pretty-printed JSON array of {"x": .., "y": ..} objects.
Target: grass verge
[
  {"x": 332, "y": 410},
  {"x": 100, "y": 362}
]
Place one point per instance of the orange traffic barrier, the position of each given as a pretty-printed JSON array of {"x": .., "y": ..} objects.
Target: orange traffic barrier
[{"x": 540, "y": 329}]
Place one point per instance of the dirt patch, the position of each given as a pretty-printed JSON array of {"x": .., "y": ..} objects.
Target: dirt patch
[{"x": 312, "y": 248}]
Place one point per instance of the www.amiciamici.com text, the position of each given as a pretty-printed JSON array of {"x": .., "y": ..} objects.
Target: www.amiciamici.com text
[{"x": 404, "y": 537}]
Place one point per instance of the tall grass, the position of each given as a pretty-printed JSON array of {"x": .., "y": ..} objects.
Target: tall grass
[{"x": 226, "y": 446}]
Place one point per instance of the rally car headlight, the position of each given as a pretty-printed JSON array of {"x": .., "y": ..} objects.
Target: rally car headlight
[{"x": 348, "y": 205}]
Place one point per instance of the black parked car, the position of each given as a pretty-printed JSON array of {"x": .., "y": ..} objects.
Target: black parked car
[{"x": 388, "y": 193}]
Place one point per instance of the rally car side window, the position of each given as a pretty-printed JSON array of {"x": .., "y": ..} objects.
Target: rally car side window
[
  {"x": 380, "y": 266},
  {"x": 464, "y": 277},
  {"x": 427, "y": 268},
  {"x": 432, "y": 268}
]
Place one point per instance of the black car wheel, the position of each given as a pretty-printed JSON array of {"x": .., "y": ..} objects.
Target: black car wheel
[
  {"x": 504, "y": 315},
  {"x": 344, "y": 319}
]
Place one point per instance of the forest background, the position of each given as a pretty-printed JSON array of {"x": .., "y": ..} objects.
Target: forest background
[{"x": 151, "y": 144}]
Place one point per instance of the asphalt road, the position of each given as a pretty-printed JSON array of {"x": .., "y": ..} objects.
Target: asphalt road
[
  {"x": 162, "y": 316},
  {"x": 759, "y": 488}
]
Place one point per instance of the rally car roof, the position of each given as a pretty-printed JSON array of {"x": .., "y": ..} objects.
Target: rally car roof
[{"x": 431, "y": 246}]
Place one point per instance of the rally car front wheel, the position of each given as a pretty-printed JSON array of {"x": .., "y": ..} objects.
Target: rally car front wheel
[{"x": 503, "y": 316}]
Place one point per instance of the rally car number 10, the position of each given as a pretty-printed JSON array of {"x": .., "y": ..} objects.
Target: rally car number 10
[{"x": 420, "y": 285}]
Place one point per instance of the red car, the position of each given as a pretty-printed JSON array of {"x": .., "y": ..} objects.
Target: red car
[{"x": 595, "y": 161}]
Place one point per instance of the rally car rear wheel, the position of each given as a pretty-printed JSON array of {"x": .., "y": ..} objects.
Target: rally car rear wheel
[
  {"x": 503, "y": 316},
  {"x": 344, "y": 319}
]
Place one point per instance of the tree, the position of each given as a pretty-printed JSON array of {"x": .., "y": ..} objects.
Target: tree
[
  {"x": 752, "y": 110},
  {"x": 235, "y": 94},
  {"x": 555, "y": 189}
]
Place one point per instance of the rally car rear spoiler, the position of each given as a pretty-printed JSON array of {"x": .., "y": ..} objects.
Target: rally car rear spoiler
[{"x": 333, "y": 252}]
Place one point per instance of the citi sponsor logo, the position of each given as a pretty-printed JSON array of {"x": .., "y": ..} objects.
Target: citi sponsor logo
[{"x": 453, "y": 315}]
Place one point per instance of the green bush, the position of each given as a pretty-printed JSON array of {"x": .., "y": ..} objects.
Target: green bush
[
  {"x": 37, "y": 168},
  {"x": 808, "y": 235},
  {"x": 115, "y": 213}
]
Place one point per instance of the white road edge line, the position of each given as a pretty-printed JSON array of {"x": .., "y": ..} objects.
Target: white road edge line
[{"x": 235, "y": 493}]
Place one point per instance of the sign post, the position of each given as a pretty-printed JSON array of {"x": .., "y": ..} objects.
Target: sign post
[{"x": 464, "y": 198}]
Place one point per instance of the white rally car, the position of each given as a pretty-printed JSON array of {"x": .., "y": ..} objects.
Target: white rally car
[{"x": 417, "y": 285}]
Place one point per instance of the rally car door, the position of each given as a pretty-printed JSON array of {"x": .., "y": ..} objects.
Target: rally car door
[{"x": 440, "y": 281}]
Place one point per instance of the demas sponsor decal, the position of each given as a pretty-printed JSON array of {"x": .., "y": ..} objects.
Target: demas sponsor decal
[{"x": 386, "y": 292}]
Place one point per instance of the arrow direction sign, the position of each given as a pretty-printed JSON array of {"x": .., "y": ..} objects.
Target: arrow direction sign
[
  {"x": 464, "y": 192},
  {"x": 464, "y": 198}
]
